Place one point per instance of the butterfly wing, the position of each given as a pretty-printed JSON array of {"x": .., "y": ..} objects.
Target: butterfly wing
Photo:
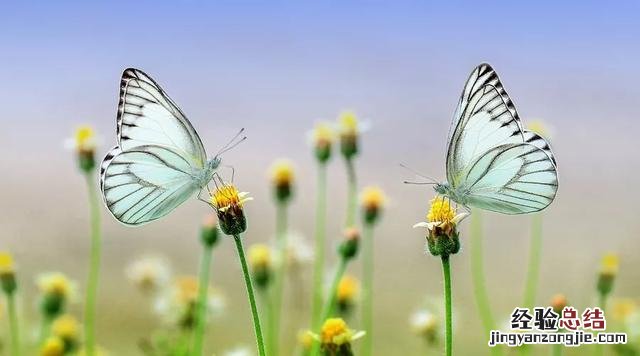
[
  {"x": 145, "y": 183},
  {"x": 512, "y": 179},
  {"x": 495, "y": 163},
  {"x": 147, "y": 116}
]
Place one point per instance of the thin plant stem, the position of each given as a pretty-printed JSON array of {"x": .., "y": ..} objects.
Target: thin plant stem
[
  {"x": 602, "y": 302},
  {"x": 446, "y": 274},
  {"x": 367, "y": 300},
  {"x": 268, "y": 307},
  {"x": 203, "y": 290},
  {"x": 94, "y": 268},
  {"x": 477, "y": 276},
  {"x": 45, "y": 327},
  {"x": 535, "y": 252},
  {"x": 320, "y": 244},
  {"x": 252, "y": 299},
  {"x": 351, "y": 193},
  {"x": 557, "y": 350},
  {"x": 13, "y": 324},
  {"x": 330, "y": 301},
  {"x": 278, "y": 286}
]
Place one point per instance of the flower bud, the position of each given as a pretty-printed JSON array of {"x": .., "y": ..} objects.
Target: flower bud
[
  {"x": 349, "y": 247},
  {"x": 348, "y": 134},
  {"x": 7, "y": 273},
  {"x": 607, "y": 275},
  {"x": 261, "y": 264},
  {"x": 336, "y": 338},
  {"x": 558, "y": 302},
  {"x": 282, "y": 177},
  {"x": 347, "y": 293},
  {"x": 209, "y": 232},
  {"x": 228, "y": 203},
  {"x": 441, "y": 224},
  {"x": 323, "y": 138},
  {"x": 372, "y": 202}
]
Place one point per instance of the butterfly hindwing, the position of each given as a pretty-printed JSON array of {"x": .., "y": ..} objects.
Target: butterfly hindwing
[
  {"x": 145, "y": 183},
  {"x": 147, "y": 116}
]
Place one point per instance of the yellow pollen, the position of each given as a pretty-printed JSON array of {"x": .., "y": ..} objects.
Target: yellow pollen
[
  {"x": 610, "y": 263},
  {"x": 323, "y": 134},
  {"x": 85, "y": 135},
  {"x": 259, "y": 256},
  {"x": 372, "y": 198},
  {"x": 55, "y": 283},
  {"x": 282, "y": 172},
  {"x": 225, "y": 197},
  {"x": 441, "y": 211},
  {"x": 347, "y": 288},
  {"x": 53, "y": 346},
  {"x": 335, "y": 331},
  {"x": 6, "y": 262},
  {"x": 348, "y": 123},
  {"x": 66, "y": 327}
]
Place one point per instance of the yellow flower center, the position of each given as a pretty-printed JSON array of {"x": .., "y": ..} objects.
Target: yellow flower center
[
  {"x": 305, "y": 338},
  {"x": 441, "y": 211},
  {"x": 610, "y": 263},
  {"x": 6, "y": 263},
  {"x": 348, "y": 123},
  {"x": 335, "y": 331},
  {"x": 323, "y": 134},
  {"x": 55, "y": 283},
  {"x": 66, "y": 327},
  {"x": 624, "y": 308},
  {"x": 226, "y": 197},
  {"x": 186, "y": 289},
  {"x": 259, "y": 256},
  {"x": 372, "y": 198},
  {"x": 347, "y": 288},
  {"x": 53, "y": 346},
  {"x": 85, "y": 137},
  {"x": 282, "y": 173}
]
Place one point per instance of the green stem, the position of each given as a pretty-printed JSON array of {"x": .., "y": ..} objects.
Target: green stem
[
  {"x": 535, "y": 251},
  {"x": 13, "y": 324},
  {"x": 320, "y": 244},
  {"x": 330, "y": 302},
  {"x": 278, "y": 287},
  {"x": 477, "y": 276},
  {"x": 557, "y": 350},
  {"x": 602, "y": 302},
  {"x": 351, "y": 194},
  {"x": 252, "y": 299},
  {"x": 94, "y": 268},
  {"x": 268, "y": 307},
  {"x": 446, "y": 274},
  {"x": 367, "y": 300},
  {"x": 203, "y": 290},
  {"x": 45, "y": 327}
]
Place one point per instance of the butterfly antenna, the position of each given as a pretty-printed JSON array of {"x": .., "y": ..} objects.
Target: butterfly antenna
[
  {"x": 233, "y": 142},
  {"x": 431, "y": 179},
  {"x": 418, "y": 183}
]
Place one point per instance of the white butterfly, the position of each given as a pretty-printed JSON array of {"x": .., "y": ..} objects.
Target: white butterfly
[
  {"x": 492, "y": 162},
  {"x": 159, "y": 161}
]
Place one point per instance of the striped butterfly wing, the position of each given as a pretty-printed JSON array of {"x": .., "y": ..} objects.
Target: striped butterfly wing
[
  {"x": 153, "y": 168},
  {"x": 512, "y": 178},
  {"x": 147, "y": 116},
  {"x": 490, "y": 156},
  {"x": 145, "y": 183}
]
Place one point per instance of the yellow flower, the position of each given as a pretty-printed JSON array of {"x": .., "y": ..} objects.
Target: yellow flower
[
  {"x": 55, "y": 283},
  {"x": 348, "y": 288},
  {"x": 441, "y": 214},
  {"x": 305, "y": 338},
  {"x": 372, "y": 201},
  {"x": 540, "y": 128},
  {"x": 6, "y": 263},
  {"x": 624, "y": 308},
  {"x": 424, "y": 323},
  {"x": 558, "y": 302},
  {"x": 336, "y": 332},
  {"x": 348, "y": 123},
  {"x": 259, "y": 256},
  {"x": 66, "y": 328},
  {"x": 282, "y": 172},
  {"x": 228, "y": 203},
  {"x": 53, "y": 346},
  {"x": 609, "y": 265}
]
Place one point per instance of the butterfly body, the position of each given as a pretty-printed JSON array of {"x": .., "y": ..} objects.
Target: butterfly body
[
  {"x": 492, "y": 162},
  {"x": 159, "y": 161}
]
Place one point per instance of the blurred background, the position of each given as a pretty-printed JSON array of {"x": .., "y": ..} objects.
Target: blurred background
[{"x": 276, "y": 68}]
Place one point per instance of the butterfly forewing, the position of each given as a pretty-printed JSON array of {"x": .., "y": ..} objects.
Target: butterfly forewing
[{"x": 147, "y": 116}]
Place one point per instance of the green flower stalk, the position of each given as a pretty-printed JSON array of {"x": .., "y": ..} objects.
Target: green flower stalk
[
  {"x": 477, "y": 277},
  {"x": 261, "y": 267},
  {"x": 323, "y": 138},
  {"x": 558, "y": 302},
  {"x": 208, "y": 237},
  {"x": 282, "y": 178},
  {"x": 84, "y": 144},
  {"x": 535, "y": 253},
  {"x": 349, "y": 147},
  {"x": 443, "y": 241},
  {"x": 347, "y": 250},
  {"x": 606, "y": 277},
  {"x": 9, "y": 286},
  {"x": 228, "y": 203},
  {"x": 372, "y": 202}
]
